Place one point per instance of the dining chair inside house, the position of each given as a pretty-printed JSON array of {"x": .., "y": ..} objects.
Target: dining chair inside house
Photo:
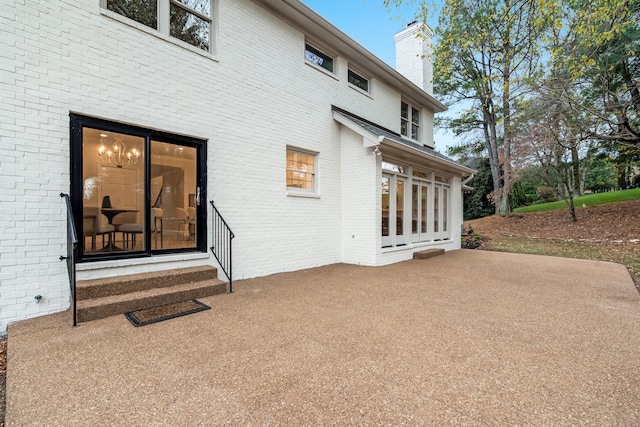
[
  {"x": 93, "y": 225},
  {"x": 191, "y": 211},
  {"x": 125, "y": 218},
  {"x": 130, "y": 230},
  {"x": 183, "y": 221}
]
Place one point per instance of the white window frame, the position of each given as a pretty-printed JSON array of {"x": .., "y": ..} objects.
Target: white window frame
[
  {"x": 442, "y": 185},
  {"x": 396, "y": 172},
  {"x": 164, "y": 26},
  {"x": 303, "y": 192},
  {"x": 314, "y": 64},
  {"x": 413, "y": 118},
  {"x": 360, "y": 76}
]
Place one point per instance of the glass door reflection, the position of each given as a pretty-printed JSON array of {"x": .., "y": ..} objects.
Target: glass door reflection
[{"x": 173, "y": 193}]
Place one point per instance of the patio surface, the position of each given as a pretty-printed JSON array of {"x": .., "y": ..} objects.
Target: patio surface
[{"x": 469, "y": 338}]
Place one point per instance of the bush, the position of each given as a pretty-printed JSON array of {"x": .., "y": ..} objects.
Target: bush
[
  {"x": 547, "y": 194},
  {"x": 472, "y": 240}
]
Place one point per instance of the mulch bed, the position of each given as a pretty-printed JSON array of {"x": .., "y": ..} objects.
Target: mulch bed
[{"x": 3, "y": 379}]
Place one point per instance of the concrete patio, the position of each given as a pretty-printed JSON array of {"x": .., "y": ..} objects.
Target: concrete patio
[{"x": 469, "y": 338}]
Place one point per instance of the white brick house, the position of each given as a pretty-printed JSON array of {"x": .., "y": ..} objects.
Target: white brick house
[{"x": 314, "y": 150}]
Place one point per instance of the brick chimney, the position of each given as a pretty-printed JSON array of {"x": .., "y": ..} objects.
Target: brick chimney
[{"x": 413, "y": 55}]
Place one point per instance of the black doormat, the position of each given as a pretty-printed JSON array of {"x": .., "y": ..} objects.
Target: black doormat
[{"x": 165, "y": 312}]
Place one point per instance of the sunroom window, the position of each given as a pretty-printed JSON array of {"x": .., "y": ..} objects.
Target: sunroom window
[{"x": 186, "y": 20}]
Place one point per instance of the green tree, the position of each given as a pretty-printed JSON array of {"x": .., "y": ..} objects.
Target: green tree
[
  {"x": 477, "y": 202},
  {"x": 602, "y": 175},
  {"x": 485, "y": 51},
  {"x": 600, "y": 54}
]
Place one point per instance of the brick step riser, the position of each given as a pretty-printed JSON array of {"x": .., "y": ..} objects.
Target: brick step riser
[
  {"x": 112, "y": 309},
  {"x": 129, "y": 285},
  {"x": 430, "y": 253}
]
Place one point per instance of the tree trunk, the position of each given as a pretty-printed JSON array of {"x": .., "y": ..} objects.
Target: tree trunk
[
  {"x": 505, "y": 194},
  {"x": 491, "y": 144},
  {"x": 575, "y": 160},
  {"x": 569, "y": 198}
]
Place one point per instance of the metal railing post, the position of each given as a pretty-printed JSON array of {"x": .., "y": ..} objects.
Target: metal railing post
[
  {"x": 222, "y": 244},
  {"x": 72, "y": 252}
]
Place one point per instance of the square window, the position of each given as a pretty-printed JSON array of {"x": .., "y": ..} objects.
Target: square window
[
  {"x": 142, "y": 11},
  {"x": 301, "y": 170},
  {"x": 186, "y": 20},
  {"x": 188, "y": 25},
  {"x": 318, "y": 58},
  {"x": 358, "y": 81}
]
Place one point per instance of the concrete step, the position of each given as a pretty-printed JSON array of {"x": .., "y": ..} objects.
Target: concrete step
[
  {"x": 111, "y": 305},
  {"x": 98, "y": 288},
  {"x": 429, "y": 253}
]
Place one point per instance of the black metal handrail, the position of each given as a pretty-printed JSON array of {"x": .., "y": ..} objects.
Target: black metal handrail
[
  {"x": 72, "y": 252},
  {"x": 222, "y": 237}
]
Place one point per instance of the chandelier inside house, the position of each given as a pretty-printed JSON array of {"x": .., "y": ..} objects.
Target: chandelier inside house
[{"x": 116, "y": 153}]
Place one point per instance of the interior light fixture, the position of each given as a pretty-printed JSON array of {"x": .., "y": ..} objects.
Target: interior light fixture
[{"x": 117, "y": 154}]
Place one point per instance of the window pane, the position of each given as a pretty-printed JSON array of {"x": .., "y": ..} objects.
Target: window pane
[
  {"x": 404, "y": 110},
  {"x": 300, "y": 170},
  {"x": 415, "y": 116},
  {"x": 173, "y": 189},
  {"x": 142, "y": 11},
  {"x": 414, "y": 132},
  {"x": 385, "y": 206},
  {"x": 444, "y": 209},
  {"x": 414, "y": 208},
  {"x": 392, "y": 167},
  {"x": 113, "y": 191},
  {"x": 358, "y": 81},
  {"x": 313, "y": 55},
  {"x": 423, "y": 204},
  {"x": 399, "y": 208},
  {"x": 200, "y": 6},
  {"x": 188, "y": 27},
  {"x": 436, "y": 207}
]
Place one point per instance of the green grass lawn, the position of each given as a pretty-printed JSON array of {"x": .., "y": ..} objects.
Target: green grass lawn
[{"x": 587, "y": 200}]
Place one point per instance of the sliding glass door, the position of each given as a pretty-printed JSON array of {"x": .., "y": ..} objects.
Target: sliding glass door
[{"x": 136, "y": 191}]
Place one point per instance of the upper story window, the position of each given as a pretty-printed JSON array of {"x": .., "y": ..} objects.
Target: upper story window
[
  {"x": 187, "y": 20},
  {"x": 318, "y": 57},
  {"x": 301, "y": 169},
  {"x": 409, "y": 121},
  {"x": 358, "y": 81}
]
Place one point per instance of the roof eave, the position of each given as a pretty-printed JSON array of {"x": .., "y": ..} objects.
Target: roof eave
[
  {"x": 314, "y": 25},
  {"x": 463, "y": 170}
]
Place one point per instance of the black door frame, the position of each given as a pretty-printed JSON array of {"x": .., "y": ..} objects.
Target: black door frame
[{"x": 77, "y": 123}]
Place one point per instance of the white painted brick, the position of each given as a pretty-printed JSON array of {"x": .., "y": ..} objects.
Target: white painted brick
[{"x": 246, "y": 104}]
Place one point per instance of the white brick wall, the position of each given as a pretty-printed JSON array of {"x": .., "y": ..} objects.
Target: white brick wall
[
  {"x": 252, "y": 100},
  {"x": 413, "y": 55}
]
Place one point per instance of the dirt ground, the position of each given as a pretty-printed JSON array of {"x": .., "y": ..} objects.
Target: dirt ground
[{"x": 612, "y": 223}]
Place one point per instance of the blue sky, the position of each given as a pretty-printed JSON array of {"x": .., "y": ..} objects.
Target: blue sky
[
  {"x": 373, "y": 26},
  {"x": 368, "y": 22}
]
